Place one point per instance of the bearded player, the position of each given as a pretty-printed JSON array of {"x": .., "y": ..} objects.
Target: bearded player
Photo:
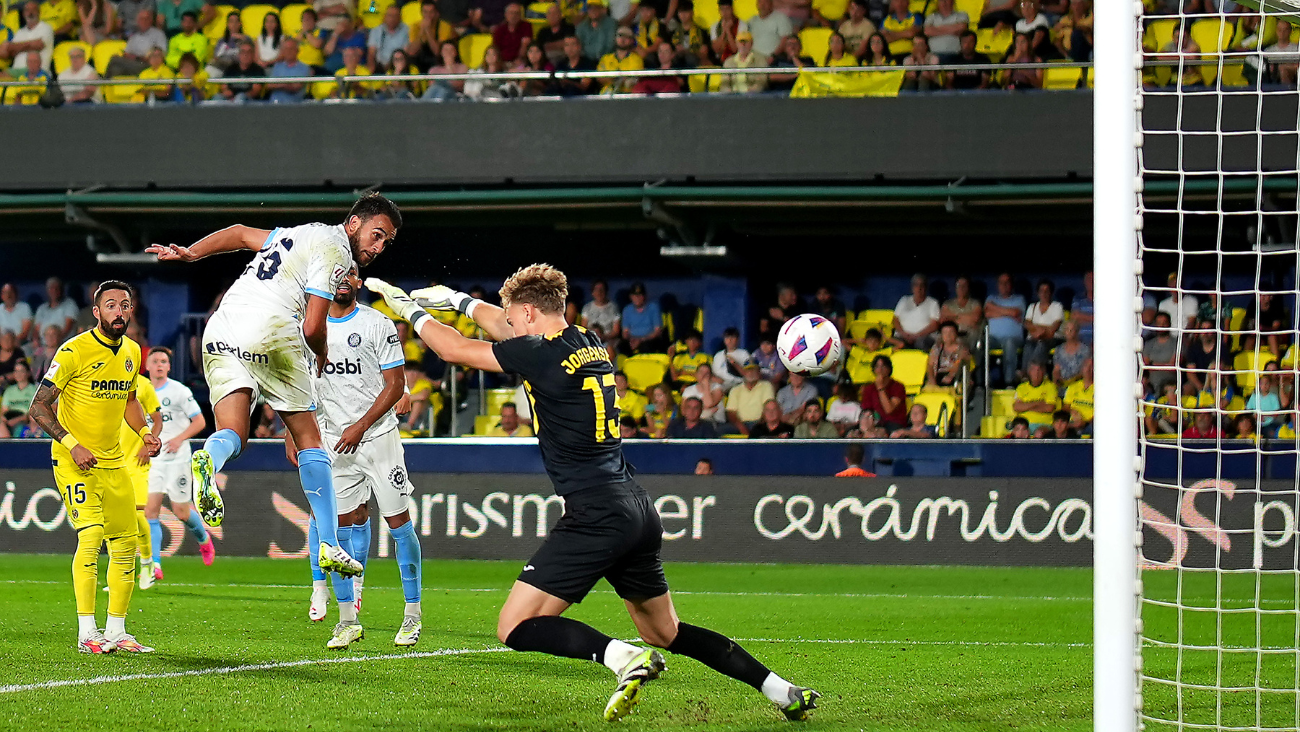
[
  {"x": 609, "y": 528},
  {"x": 93, "y": 376},
  {"x": 360, "y": 392},
  {"x": 262, "y": 338}
]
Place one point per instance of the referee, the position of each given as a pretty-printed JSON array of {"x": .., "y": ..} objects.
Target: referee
[{"x": 609, "y": 528}]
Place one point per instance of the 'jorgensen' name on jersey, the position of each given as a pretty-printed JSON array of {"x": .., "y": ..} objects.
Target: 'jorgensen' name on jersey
[
  {"x": 362, "y": 345},
  {"x": 570, "y": 385}
]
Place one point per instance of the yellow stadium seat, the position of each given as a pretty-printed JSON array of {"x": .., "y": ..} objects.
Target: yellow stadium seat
[
  {"x": 1058, "y": 78},
  {"x": 1213, "y": 36},
  {"x": 972, "y": 9},
  {"x": 698, "y": 324},
  {"x": 1248, "y": 367},
  {"x": 483, "y": 423},
  {"x": 860, "y": 371},
  {"x": 472, "y": 48},
  {"x": 1235, "y": 324},
  {"x": 993, "y": 427},
  {"x": 1235, "y": 75},
  {"x": 1090, "y": 79},
  {"x": 993, "y": 44},
  {"x": 1002, "y": 402},
  {"x": 815, "y": 42},
  {"x": 670, "y": 327},
  {"x": 832, "y": 10},
  {"x": 535, "y": 14},
  {"x": 13, "y": 20},
  {"x": 372, "y": 13},
  {"x": 909, "y": 368},
  {"x": 120, "y": 93},
  {"x": 103, "y": 52},
  {"x": 322, "y": 89},
  {"x": 411, "y": 13},
  {"x": 745, "y": 9},
  {"x": 701, "y": 83},
  {"x": 644, "y": 371},
  {"x": 882, "y": 320},
  {"x": 216, "y": 28},
  {"x": 939, "y": 406},
  {"x": 1159, "y": 33},
  {"x": 291, "y": 18},
  {"x": 62, "y": 50},
  {"x": 706, "y": 13},
  {"x": 496, "y": 398},
  {"x": 253, "y": 15},
  {"x": 924, "y": 7}
]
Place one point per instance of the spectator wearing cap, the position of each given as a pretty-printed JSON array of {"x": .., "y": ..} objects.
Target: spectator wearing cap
[
  {"x": 766, "y": 29},
  {"x": 794, "y": 395},
  {"x": 745, "y": 402},
  {"x": 15, "y": 315},
  {"x": 854, "y": 456},
  {"x": 551, "y": 38},
  {"x": 885, "y": 396},
  {"x": 943, "y": 29},
  {"x": 813, "y": 424},
  {"x": 691, "y": 425},
  {"x": 690, "y": 40},
  {"x": 146, "y": 37},
  {"x": 745, "y": 58},
  {"x": 623, "y": 58},
  {"x": 289, "y": 66},
  {"x": 35, "y": 35},
  {"x": 724, "y": 31},
  {"x": 79, "y": 71},
  {"x": 189, "y": 40},
  {"x": 916, "y": 317},
  {"x": 596, "y": 31},
  {"x": 643, "y": 322},
  {"x": 511, "y": 35},
  {"x": 1005, "y": 312},
  {"x": 857, "y": 28},
  {"x": 900, "y": 27},
  {"x": 729, "y": 363},
  {"x": 771, "y": 426},
  {"x": 393, "y": 35},
  {"x": 575, "y": 60}
]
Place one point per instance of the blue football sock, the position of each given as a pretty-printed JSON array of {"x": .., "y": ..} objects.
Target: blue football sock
[
  {"x": 313, "y": 549},
  {"x": 224, "y": 446},
  {"x": 343, "y": 585},
  {"x": 318, "y": 485},
  {"x": 408, "y": 559},
  {"x": 155, "y": 536},
  {"x": 361, "y": 543},
  {"x": 195, "y": 524}
]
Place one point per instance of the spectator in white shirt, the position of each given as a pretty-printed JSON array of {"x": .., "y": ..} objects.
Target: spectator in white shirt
[
  {"x": 1283, "y": 57},
  {"x": 845, "y": 409},
  {"x": 1042, "y": 321},
  {"x": 58, "y": 311},
  {"x": 35, "y": 35},
  {"x": 942, "y": 28},
  {"x": 1181, "y": 308},
  {"x": 768, "y": 28},
  {"x": 601, "y": 316},
  {"x": 1031, "y": 18},
  {"x": 729, "y": 363},
  {"x": 15, "y": 315},
  {"x": 78, "y": 70},
  {"x": 708, "y": 390},
  {"x": 916, "y": 317}
]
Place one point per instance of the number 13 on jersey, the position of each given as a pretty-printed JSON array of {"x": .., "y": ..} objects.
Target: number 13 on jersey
[{"x": 602, "y": 391}]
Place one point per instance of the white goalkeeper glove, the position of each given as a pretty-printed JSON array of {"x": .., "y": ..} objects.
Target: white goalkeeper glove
[
  {"x": 398, "y": 301},
  {"x": 440, "y": 297}
]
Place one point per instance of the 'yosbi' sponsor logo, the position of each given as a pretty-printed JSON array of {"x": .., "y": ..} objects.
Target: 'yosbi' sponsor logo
[
  {"x": 220, "y": 348},
  {"x": 347, "y": 366}
]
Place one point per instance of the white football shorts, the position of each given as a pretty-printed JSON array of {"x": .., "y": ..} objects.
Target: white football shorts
[
  {"x": 173, "y": 478},
  {"x": 379, "y": 467},
  {"x": 265, "y": 353}
]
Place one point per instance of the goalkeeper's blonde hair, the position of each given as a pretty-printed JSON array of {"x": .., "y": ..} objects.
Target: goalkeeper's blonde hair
[{"x": 540, "y": 285}]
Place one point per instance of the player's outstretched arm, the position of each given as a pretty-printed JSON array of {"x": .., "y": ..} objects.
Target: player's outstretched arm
[
  {"x": 445, "y": 341},
  {"x": 229, "y": 239},
  {"x": 490, "y": 318}
]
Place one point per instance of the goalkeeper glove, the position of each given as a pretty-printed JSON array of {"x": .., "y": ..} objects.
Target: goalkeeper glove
[
  {"x": 440, "y": 297},
  {"x": 398, "y": 301}
]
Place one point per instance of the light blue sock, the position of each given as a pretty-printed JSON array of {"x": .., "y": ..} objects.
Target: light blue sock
[
  {"x": 361, "y": 543},
  {"x": 318, "y": 485},
  {"x": 408, "y": 559},
  {"x": 224, "y": 446},
  {"x": 343, "y": 585},
  {"x": 155, "y": 537},
  {"x": 313, "y": 549},
  {"x": 195, "y": 524}
]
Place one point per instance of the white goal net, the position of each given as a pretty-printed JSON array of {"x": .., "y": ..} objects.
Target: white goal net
[{"x": 1218, "y": 640}]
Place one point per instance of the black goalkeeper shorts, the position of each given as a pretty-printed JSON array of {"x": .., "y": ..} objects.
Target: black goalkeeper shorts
[{"x": 610, "y": 531}]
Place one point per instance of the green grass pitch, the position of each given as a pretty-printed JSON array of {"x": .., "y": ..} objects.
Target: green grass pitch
[{"x": 891, "y": 648}]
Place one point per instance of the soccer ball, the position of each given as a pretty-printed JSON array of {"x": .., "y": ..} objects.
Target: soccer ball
[{"x": 809, "y": 345}]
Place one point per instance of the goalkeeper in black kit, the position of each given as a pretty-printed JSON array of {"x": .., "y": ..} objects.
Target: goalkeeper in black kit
[{"x": 609, "y": 528}]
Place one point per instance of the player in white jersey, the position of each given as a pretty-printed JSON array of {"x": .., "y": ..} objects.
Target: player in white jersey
[
  {"x": 261, "y": 340},
  {"x": 358, "y": 392},
  {"x": 169, "y": 473}
]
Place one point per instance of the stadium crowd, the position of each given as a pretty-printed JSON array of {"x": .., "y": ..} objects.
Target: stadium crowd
[{"x": 200, "y": 40}]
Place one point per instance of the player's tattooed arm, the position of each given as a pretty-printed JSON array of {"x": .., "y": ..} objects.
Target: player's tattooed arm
[
  {"x": 229, "y": 239},
  {"x": 42, "y": 412}
]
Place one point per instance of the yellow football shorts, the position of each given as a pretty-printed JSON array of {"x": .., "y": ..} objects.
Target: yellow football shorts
[
  {"x": 139, "y": 477},
  {"x": 99, "y": 496}
]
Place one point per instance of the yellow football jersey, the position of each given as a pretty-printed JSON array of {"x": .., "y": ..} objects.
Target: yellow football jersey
[
  {"x": 148, "y": 398},
  {"x": 94, "y": 377},
  {"x": 1044, "y": 392},
  {"x": 1077, "y": 397}
]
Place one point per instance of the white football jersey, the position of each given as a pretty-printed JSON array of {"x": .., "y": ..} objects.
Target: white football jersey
[
  {"x": 362, "y": 345},
  {"x": 292, "y": 264},
  {"x": 179, "y": 408}
]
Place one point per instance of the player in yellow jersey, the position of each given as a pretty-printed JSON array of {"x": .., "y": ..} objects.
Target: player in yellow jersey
[
  {"x": 137, "y": 457},
  {"x": 93, "y": 377}
]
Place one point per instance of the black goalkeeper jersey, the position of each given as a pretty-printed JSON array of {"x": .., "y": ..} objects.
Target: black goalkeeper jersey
[{"x": 570, "y": 385}]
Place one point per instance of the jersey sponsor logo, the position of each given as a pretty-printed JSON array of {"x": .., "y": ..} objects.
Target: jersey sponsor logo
[
  {"x": 52, "y": 370},
  {"x": 582, "y": 357},
  {"x": 354, "y": 340},
  {"x": 397, "y": 477},
  {"x": 221, "y": 348},
  {"x": 529, "y": 568},
  {"x": 96, "y": 366},
  {"x": 346, "y": 366},
  {"x": 392, "y": 338},
  {"x": 110, "y": 384}
]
